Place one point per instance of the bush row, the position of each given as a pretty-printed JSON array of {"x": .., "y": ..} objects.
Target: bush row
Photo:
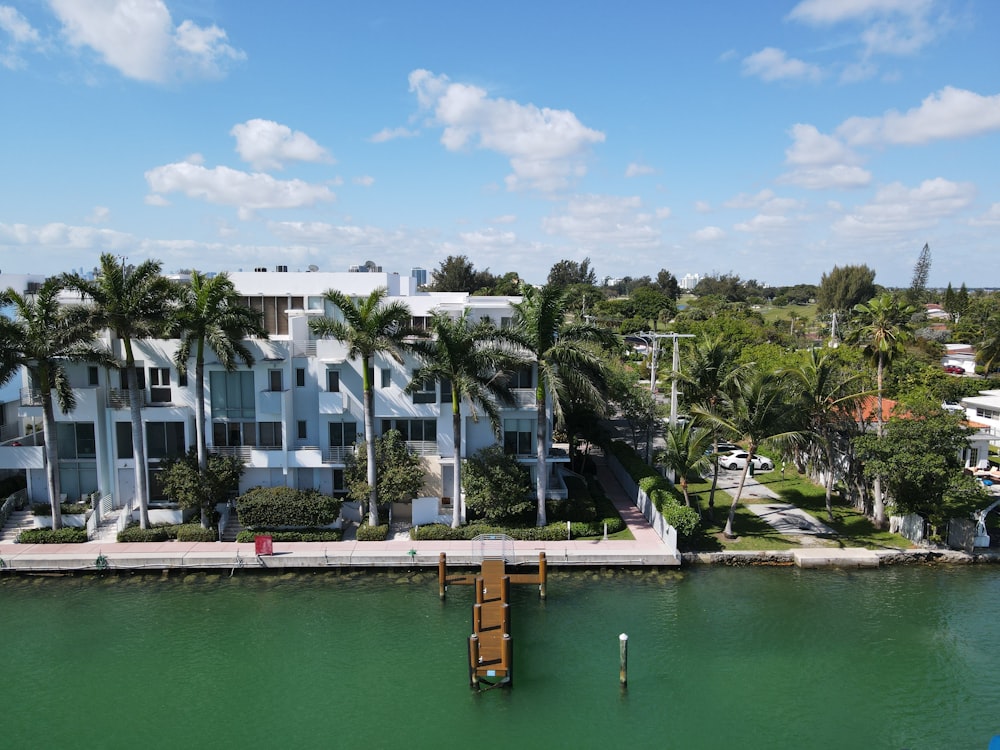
[
  {"x": 303, "y": 535},
  {"x": 662, "y": 494},
  {"x": 44, "y": 509},
  {"x": 268, "y": 507},
  {"x": 182, "y": 532},
  {"x": 554, "y": 532},
  {"x": 65, "y": 535},
  {"x": 368, "y": 533}
]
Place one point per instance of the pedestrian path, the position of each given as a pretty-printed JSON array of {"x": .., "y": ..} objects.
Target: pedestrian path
[{"x": 783, "y": 517}]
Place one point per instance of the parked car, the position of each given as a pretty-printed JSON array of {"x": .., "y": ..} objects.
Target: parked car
[
  {"x": 726, "y": 447},
  {"x": 738, "y": 460},
  {"x": 954, "y": 369}
]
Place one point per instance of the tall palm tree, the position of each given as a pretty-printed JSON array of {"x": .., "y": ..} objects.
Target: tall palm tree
[
  {"x": 883, "y": 329},
  {"x": 134, "y": 303},
  {"x": 687, "y": 452},
  {"x": 568, "y": 359},
  {"x": 371, "y": 326},
  {"x": 827, "y": 397},
  {"x": 44, "y": 337},
  {"x": 475, "y": 361},
  {"x": 210, "y": 314},
  {"x": 988, "y": 353},
  {"x": 756, "y": 410}
]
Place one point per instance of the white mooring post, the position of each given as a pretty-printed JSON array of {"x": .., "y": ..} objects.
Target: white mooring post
[{"x": 623, "y": 658}]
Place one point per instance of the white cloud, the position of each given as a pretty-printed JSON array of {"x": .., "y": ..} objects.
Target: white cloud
[
  {"x": 505, "y": 219},
  {"x": 138, "y": 38},
  {"x": 99, "y": 215},
  {"x": 836, "y": 177},
  {"x": 318, "y": 233},
  {"x": 546, "y": 147},
  {"x": 836, "y": 11},
  {"x": 746, "y": 200},
  {"x": 990, "y": 219},
  {"x": 389, "y": 134},
  {"x": 58, "y": 235},
  {"x": 702, "y": 207},
  {"x": 364, "y": 180},
  {"x": 663, "y": 213},
  {"x": 889, "y": 27},
  {"x": 152, "y": 199},
  {"x": 764, "y": 223},
  {"x": 266, "y": 144},
  {"x": 599, "y": 219},
  {"x": 948, "y": 113},
  {"x": 896, "y": 209},
  {"x": 635, "y": 170},
  {"x": 488, "y": 238},
  {"x": 230, "y": 187},
  {"x": 708, "y": 234},
  {"x": 822, "y": 161},
  {"x": 772, "y": 64},
  {"x": 20, "y": 33}
]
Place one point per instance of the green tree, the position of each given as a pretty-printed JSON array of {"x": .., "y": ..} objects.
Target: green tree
[
  {"x": 473, "y": 361},
  {"x": 211, "y": 314},
  {"x": 687, "y": 452},
  {"x": 399, "y": 471},
  {"x": 882, "y": 329},
  {"x": 190, "y": 485},
  {"x": 457, "y": 274},
  {"x": 756, "y": 410},
  {"x": 666, "y": 282},
  {"x": 649, "y": 303},
  {"x": 569, "y": 272},
  {"x": 44, "y": 337},
  {"x": 371, "y": 326},
  {"x": 844, "y": 287},
  {"x": 568, "y": 360},
  {"x": 133, "y": 303},
  {"x": 827, "y": 398},
  {"x": 497, "y": 486},
  {"x": 921, "y": 270}
]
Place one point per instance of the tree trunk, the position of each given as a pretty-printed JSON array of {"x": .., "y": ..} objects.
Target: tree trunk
[
  {"x": 199, "y": 429},
  {"x": 541, "y": 466},
  {"x": 878, "y": 504},
  {"x": 370, "y": 444},
  {"x": 829, "y": 480},
  {"x": 456, "y": 441},
  {"x": 728, "y": 531},
  {"x": 138, "y": 439},
  {"x": 51, "y": 453}
]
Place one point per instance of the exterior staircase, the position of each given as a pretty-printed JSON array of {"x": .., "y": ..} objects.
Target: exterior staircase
[
  {"x": 233, "y": 528},
  {"x": 107, "y": 530},
  {"x": 19, "y": 521}
]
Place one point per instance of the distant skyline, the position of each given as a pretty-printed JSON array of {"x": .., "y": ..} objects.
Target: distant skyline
[{"x": 773, "y": 140}]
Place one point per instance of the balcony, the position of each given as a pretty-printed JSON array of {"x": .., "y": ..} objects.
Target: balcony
[
  {"x": 31, "y": 397},
  {"x": 119, "y": 399},
  {"x": 524, "y": 398},
  {"x": 337, "y": 454},
  {"x": 423, "y": 447}
]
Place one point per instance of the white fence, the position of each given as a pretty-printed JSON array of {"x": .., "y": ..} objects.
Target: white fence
[{"x": 666, "y": 532}]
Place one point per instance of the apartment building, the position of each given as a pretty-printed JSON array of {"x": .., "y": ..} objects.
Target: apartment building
[{"x": 293, "y": 417}]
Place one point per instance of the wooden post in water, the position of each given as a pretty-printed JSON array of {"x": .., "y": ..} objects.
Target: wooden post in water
[
  {"x": 508, "y": 658},
  {"x": 477, "y": 617},
  {"x": 473, "y": 659},
  {"x": 442, "y": 574},
  {"x": 504, "y": 588},
  {"x": 479, "y": 589},
  {"x": 623, "y": 658},
  {"x": 541, "y": 575}
]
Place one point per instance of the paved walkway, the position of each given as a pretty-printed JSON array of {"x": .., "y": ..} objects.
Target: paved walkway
[
  {"x": 645, "y": 549},
  {"x": 783, "y": 517}
]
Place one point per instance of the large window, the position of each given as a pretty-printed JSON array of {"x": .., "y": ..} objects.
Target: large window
[
  {"x": 76, "y": 440},
  {"x": 140, "y": 374},
  {"x": 412, "y": 429},
  {"x": 232, "y": 395},
  {"x": 159, "y": 385},
  {"x": 521, "y": 378},
  {"x": 270, "y": 434},
  {"x": 273, "y": 311},
  {"x": 333, "y": 381},
  {"x": 425, "y": 393},
  {"x": 76, "y": 479},
  {"x": 234, "y": 434},
  {"x": 163, "y": 439},
  {"x": 275, "y": 382},
  {"x": 445, "y": 391},
  {"x": 519, "y": 436},
  {"x": 343, "y": 434}
]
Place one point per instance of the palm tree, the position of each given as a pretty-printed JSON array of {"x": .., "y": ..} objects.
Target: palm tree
[
  {"x": 687, "y": 452},
  {"x": 988, "y": 353},
  {"x": 43, "y": 338},
  {"x": 133, "y": 302},
  {"x": 883, "y": 329},
  {"x": 755, "y": 409},
  {"x": 371, "y": 326},
  {"x": 210, "y": 314},
  {"x": 474, "y": 360},
  {"x": 827, "y": 396},
  {"x": 568, "y": 360}
]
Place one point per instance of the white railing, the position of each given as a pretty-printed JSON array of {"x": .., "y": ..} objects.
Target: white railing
[
  {"x": 242, "y": 451},
  {"x": 13, "y": 501},
  {"x": 119, "y": 399},
  {"x": 224, "y": 519},
  {"x": 303, "y": 348},
  {"x": 125, "y": 518},
  {"x": 31, "y": 397},
  {"x": 337, "y": 454},
  {"x": 524, "y": 397},
  {"x": 423, "y": 447}
]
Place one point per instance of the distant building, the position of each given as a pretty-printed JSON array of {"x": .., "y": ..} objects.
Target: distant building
[
  {"x": 420, "y": 274},
  {"x": 689, "y": 282},
  {"x": 367, "y": 267}
]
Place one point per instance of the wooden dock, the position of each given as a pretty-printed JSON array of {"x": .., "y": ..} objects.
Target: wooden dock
[{"x": 491, "y": 648}]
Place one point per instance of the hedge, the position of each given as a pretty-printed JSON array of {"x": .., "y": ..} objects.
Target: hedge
[
  {"x": 65, "y": 535},
  {"x": 66, "y": 509},
  {"x": 268, "y": 507},
  {"x": 304, "y": 535},
  {"x": 554, "y": 532},
  {"x": 660, "y": 492},
  {"x": 368, "y": 533},
  {"x": 138, "y": 534},
  {"x": 193, "y": 532}
]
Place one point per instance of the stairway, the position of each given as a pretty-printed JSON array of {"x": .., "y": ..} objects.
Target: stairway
[
  {"x": 18, "y": 521},
  {"x": 233, "y": 528},
  {"x": 107, "y": 530}
]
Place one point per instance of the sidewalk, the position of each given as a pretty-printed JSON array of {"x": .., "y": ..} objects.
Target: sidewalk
[{"x": 783, "y": 517}]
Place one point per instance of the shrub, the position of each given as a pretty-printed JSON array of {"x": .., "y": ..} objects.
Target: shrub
[
  {"x": 193, "y": 532},
  {"x": 661, "y": 493},
  {"x": 267, "y": 507},
  {"x": 368, "y": 533},
  {"x": 65, "y": 535},
  {"x": 136, "y": 534},
  {"x": 44, "y": 509},
  {"x": 301, "y": 535},
  {"x": 554, "y": 532}
]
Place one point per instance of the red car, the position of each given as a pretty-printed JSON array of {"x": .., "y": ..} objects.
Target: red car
[{"x": 954, "y": 369}]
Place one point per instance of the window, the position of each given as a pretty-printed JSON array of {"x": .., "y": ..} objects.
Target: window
[
  {"x": 182, "y": 378},
  {"x": 425, "y": 393},
  {"x": 140, "y": 374},
  {"x": 343, "y": 434},
  {"x": 274, "y": 381},
  {"x": 412, "y": 429},
  {"x": 273, "y": 311},
  {"x": 270, "y": 435},
  {"x": 76, "y": 440},
  {"x": 521, "y": 378},
  {"x": 302, "y": 429},
  {"x": 333, "y": 381},
  {"x": 386, "y": 377},
  {"x": 446, "y": 391},
  {"x": 163, "y": 439},
  {"x": 234, "y": 434},
  {"x": 519, "y": 437},
  {"x": 987, "y": 413},
  {"x": 159, "y": 385},
  {"x": 93, "y": 377},
  {"x": 232, "y": 395},
  {"x": 339, "y": 488},
  {"x": 76, "y": 479},
  {"x": 300, "y": 377}
]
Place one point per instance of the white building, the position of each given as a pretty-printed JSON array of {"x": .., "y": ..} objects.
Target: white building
[
  {"x": 293, "y": 416},
  {"x": 689, "y": 282}
]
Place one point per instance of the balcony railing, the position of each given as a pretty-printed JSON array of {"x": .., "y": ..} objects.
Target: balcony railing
[
  {"x": 524, "y": 398},
  {"x": 241, "y": 451},
  {"x": 337, "y": 454},
  {"x": 423, "y": 447},
  {"x": 119, "y": 399},
  {"x": 31, "y": 397},
  {"x": 303, "y": 348}
]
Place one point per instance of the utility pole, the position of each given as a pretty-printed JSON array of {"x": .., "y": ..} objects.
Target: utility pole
[{"x": 654, "y": 341}]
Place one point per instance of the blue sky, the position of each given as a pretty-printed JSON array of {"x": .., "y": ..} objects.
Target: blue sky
[{"x": 773, "y": 140}]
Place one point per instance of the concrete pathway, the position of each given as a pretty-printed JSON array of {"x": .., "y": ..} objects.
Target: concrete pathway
[{"x": 783, "y": 517}]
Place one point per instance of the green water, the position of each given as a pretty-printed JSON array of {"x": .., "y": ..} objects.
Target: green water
[{"x": 718, "y": 658}]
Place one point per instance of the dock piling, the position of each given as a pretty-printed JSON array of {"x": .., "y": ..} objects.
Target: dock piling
[{"x": 623, "y": 659}]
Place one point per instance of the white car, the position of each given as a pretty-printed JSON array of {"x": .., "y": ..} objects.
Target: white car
[{"x": 738, "y": 460}]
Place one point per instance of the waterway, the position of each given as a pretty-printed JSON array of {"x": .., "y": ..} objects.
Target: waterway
[{"x": 718, "y": 657}]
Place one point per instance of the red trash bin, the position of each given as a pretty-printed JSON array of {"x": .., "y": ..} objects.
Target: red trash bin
[{"x": 263, "y": 545}]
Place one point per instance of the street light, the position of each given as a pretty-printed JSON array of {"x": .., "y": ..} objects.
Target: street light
[{"x": 654, "y": 343}]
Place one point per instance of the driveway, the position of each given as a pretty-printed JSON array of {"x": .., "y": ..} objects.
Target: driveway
[{"x": 783, "y": 517}]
